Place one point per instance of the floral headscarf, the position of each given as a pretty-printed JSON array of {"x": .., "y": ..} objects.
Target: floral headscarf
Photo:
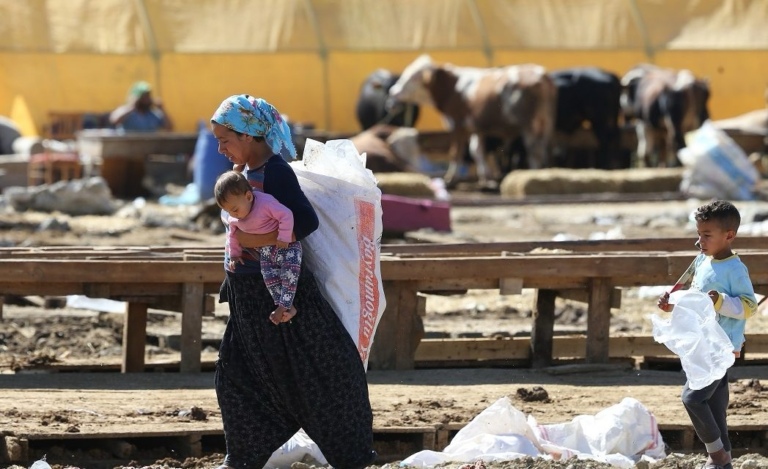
[{"x": 256, "y": 117}]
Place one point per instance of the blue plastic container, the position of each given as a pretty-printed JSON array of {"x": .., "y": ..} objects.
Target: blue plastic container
[{"x": 209, "y": 164}]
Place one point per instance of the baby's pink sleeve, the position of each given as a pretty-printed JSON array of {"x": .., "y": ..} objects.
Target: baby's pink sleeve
[
  {"x": 233, "y": 245},
  {"x": 284, "y": 218}
]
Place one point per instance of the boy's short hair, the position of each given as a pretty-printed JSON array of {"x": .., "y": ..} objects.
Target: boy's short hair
[
  {"x": 230, "y": 183},
  {"x": 721, "y": 211}
]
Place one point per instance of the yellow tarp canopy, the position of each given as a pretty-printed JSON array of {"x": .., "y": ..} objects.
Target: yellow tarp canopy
[{"x": 309, "y": 57}]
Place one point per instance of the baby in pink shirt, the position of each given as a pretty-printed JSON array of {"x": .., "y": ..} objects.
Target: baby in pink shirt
[{"x": 258, "y": 212}]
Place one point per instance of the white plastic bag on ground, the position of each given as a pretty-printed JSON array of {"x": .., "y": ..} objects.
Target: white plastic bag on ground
[
  {"x": 300, "y": 448},
  {"x": 621, "y": 435},
  {"x": 716, "y": 166},
  {"x": 344, "y": 252},
  {"x": 693, "y": 334},
  {"x": 615, "y": 435}
]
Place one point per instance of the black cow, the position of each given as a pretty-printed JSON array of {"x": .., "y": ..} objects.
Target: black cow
[
  {"x": 374, "y": 105},
  {"x": 585, "y": 95},
  {"x": 662, "y": 100},
  {"x": 591, "y": 95}
]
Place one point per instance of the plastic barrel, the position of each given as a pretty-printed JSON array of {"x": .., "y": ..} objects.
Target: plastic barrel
[{"x": 208, "y": 162}]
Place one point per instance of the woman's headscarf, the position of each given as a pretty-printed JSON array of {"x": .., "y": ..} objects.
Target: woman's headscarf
[{"x": 256, "y": 117}]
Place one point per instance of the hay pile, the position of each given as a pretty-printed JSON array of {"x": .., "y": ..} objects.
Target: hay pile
[
  {"x": 406, "y": 184},
  {"x": 562, "y": 181}
]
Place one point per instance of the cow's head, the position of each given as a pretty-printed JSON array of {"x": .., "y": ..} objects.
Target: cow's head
[{"x": 412, "y": 85}]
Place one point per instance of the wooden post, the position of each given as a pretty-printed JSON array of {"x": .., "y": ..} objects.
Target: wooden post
[
  {"x": 192, "y": 302},
  {"x": 543, "y": 328},
  {"x": 400, "y": 329},
  {"x": 410, "y": 326},
  {"x": 383, "y": 350},
  {"x": 134, "y": 337},
  {"x": 599, "y": 320}
]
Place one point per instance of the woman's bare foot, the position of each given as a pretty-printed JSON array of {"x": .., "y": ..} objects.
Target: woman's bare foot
[{"x": 289, "y": 314}]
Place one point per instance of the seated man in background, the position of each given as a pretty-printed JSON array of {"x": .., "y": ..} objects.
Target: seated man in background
[{"x": 141, "y": 113}]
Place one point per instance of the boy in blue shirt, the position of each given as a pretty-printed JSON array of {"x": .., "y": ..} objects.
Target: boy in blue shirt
[{"x": 720, "y": 273}]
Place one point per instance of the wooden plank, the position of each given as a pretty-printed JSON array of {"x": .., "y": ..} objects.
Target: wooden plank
[
  {"x": 436, "y": 350},
  {"x": 516, "y": 348},
  {"x": 599, "y": 320},
  {"x": 128, "y": 271},
  {"x": 96, "y": 290},
  {"x": 534, "y": 266},
  {"x": 637, "y": 244},
  {"x": 192, "y": 303},
  {"x": 542, "y": 329},
  {"x": 134, "y": 337}
]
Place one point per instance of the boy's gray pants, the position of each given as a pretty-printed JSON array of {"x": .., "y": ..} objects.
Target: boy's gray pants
[{"x": 707, "y": 409}]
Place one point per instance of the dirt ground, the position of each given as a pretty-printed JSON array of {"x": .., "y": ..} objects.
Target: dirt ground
[{"x": 39, "y": 403}]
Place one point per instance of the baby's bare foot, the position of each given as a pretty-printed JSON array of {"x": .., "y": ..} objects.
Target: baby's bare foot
[
  {"x": 278, "y": 315},
  {"x": 289, "y": 314}
]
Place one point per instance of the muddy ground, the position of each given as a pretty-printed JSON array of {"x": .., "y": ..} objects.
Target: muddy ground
[{"x": 32, "y": 336}]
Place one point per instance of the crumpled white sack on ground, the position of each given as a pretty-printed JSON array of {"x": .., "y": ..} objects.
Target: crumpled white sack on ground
[{"x": 621, "y": 435}]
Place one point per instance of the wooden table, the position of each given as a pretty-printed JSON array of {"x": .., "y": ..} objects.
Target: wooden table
[
  {"x": 173, "y": 279},
  {"x": 180, "y": 279},
  {"x": 588, "y": 271},
  {"x": 122, "y": 156}
]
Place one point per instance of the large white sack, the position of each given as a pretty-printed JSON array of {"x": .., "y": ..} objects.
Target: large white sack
[
  {"x": 716, "y": 166},
  {"x": 344, "y": 252},
  {"x": 693, "y": 334}
]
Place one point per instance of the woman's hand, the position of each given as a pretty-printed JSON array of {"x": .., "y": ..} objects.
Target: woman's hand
[{"x": 251, "y": 240}]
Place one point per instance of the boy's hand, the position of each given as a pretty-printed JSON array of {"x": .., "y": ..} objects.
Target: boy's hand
[
  {"x": 663, "y": 303},
  {"x": 714, "y": 296},
  {"x": 281, "y": 244}
]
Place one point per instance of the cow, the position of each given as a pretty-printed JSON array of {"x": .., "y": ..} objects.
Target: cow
[
  {"x": 590, "y": 95},
  {"x": 375, "y": 107},
  {"x": 663, "y": 100},
  {"x": 476, "y": 103}
]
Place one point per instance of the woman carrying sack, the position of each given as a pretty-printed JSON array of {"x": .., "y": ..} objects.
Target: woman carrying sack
[{"x": 274, "y": 379}]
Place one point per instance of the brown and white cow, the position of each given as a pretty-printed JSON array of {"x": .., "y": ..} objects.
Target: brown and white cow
[
  {"x": 505, "y": 102},
  {"x": 663, "y": 100}
]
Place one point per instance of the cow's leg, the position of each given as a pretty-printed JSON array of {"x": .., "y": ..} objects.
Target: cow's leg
[
  {"x": 536, "y": 148},
  {"x": 458, "y": 142},
  {"x": 675, "y": 141},
  {"x": 487, "y": 169},
  {"x": 645, "y": 144},
  {"x": 608, "y": 146},
  {"x": 538, "y": 144}
]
